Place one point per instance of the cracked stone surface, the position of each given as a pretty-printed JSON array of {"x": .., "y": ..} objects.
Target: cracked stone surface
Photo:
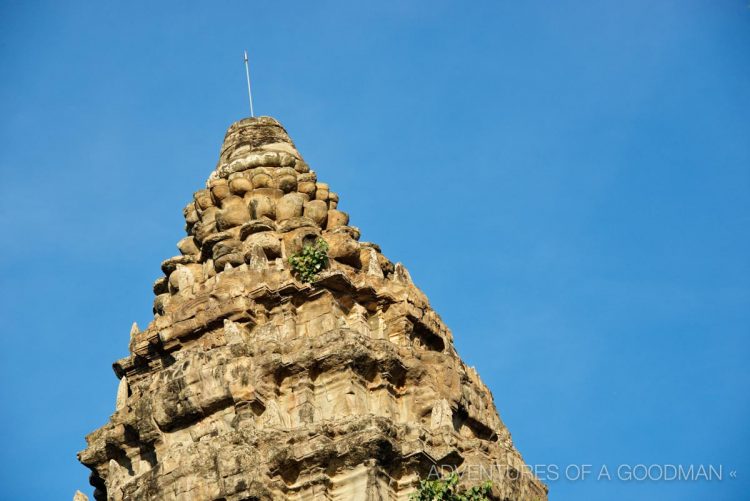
[{"x": 251, "y": 385}]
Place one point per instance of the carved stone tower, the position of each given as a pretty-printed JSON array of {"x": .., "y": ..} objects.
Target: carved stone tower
[{"x": 250, "y": 384}]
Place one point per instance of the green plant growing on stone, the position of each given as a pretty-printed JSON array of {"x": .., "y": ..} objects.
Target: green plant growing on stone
[
  {"x": 446, "y": 489},
  {"x": 311, "y": 260}
]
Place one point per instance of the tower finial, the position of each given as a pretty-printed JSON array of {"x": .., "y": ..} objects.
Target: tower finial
[{"x": 249, "y": 92}]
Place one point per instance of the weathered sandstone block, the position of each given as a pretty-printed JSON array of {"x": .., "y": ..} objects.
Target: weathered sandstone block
[
  {"x": 262, "y": 206},
  {"x": 290, "y": 205},
  {"x": 337, "y": 218},
  {"x": 240, "y": 185},
  {"x": 317, "y": 210},
  {"x": 234, "y": 212}
]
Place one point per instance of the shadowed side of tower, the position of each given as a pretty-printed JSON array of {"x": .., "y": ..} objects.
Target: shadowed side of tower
[{"x": 252, "y": 384}]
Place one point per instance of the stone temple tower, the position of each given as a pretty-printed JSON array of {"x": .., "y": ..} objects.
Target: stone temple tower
[{"x": 251, "y": 384}]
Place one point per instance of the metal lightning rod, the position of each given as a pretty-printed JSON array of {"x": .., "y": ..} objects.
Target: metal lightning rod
[{"x": 249, "y": 92}]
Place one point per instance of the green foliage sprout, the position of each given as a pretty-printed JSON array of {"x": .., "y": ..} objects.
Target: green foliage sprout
[
  {"x": 310, "y": 261},
  {"x": 446, "y": 489}
]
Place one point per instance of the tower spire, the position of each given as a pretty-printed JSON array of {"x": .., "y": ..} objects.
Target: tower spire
[{"x": 249, "y": 91}]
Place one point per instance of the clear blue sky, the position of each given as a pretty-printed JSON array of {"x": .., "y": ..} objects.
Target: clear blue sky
[{"x": 569, "y": 182}]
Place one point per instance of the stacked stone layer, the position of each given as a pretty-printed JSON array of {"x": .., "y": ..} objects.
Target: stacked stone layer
[{"x": 249, "y": 384}]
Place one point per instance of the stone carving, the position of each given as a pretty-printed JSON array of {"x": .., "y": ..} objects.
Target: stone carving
[
  {"x": 249, "y": 384},
  {"x": 80, "y": 496}
]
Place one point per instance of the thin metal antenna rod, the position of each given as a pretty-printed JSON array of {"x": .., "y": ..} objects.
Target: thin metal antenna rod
[{"x": 249, "y": 92}]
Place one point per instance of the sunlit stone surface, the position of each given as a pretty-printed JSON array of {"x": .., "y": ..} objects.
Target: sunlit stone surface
[{"x": 249, "y": 384}]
